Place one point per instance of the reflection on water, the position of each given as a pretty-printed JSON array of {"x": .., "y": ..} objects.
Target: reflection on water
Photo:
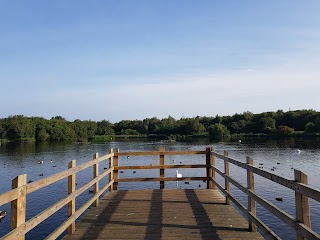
[{"x": 281, "y": 155}]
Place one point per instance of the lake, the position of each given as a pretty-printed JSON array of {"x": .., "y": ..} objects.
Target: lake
[{"x": 20, "y": 158}]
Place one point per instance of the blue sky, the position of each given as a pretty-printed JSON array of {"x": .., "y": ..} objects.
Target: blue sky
[{"x": 118, "y": 60}]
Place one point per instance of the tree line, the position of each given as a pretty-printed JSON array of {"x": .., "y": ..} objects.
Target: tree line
[{"x": 22, "y": 128}]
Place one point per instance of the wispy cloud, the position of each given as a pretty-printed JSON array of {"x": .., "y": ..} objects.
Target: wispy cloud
[{"x": 224, "y": 93}]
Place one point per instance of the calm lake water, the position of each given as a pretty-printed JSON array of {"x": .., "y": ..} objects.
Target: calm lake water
[{"x": 16, "y": 159}]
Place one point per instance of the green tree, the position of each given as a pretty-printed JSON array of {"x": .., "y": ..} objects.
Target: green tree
[
  {"x": 20, "y": 128},
  {"x": 285, "y": 130},
  {"x": 310, "y": 127},
  {"x": 267, "y": 125},
  {"x": 218, "y": 130},
  {"x": 105, "y": 128}
]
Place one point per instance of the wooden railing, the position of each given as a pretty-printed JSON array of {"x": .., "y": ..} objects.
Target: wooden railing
[
  {"x": 17, "y": 196},
  {"x": 162, "y": 166},
  {"x": 301, "y": 224}
]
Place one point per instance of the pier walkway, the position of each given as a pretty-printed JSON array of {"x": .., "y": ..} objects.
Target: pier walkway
[{"x": 163, "y": 214}]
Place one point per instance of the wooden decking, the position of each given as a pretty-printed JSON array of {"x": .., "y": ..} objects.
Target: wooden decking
[{"x": 163, "y": 214}]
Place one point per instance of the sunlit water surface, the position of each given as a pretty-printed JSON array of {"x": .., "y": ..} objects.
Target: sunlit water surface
[{"x": 282, "y": 154}]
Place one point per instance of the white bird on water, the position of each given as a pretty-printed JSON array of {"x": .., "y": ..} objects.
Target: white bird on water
[
  {"x": 179, "y": 175},
  {"x": 298, "y": 151}
]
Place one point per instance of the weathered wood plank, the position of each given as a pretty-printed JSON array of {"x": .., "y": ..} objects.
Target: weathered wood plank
[
  {"x": 163, "y": 214},
  {"x": 34, "y": 186},
  {"x": 72, "y": 203},
  {"x": 291, "y": 184},
  {"x": 153, "y": 153},
  {"x": 144, "y": 167},
  {"x": 18, "y": 206},
  {"x": 157, "y": 179}
]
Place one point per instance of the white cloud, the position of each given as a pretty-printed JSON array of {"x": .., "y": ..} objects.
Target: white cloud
[{"x": 222, "y": 93}]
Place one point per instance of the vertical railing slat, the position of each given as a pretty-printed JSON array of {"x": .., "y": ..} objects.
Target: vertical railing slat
[
  {"x": 95, "y": 175},
  {"x": 115, "y": 172},
  {"x": 211, "y": 174},
  {"x": 110, "y": 166},
  {"x": 227, "y": 173},
  {"x": 72, "y": 203},
  {"x": 251, "y": 202},
  {"x": 18, "y": 206},
  {"x": 302, "y": 202},
  {"x": 162, "y": 149}
]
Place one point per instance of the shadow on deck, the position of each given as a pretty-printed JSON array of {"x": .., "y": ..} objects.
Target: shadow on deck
[{"x": 163, "y": 214}]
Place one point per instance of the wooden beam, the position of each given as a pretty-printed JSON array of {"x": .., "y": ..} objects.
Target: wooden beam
[
  {"x": 162, "y": 150},
  {"x": 10, "y": 196},
  {"x": 111, "y": 166},
  {"x": 157, "y": 179},
  {"x": 251, "y": 202},
  {"x": 227, "y": 173},
  {"x": 95, "y": 175},
  {"x": 144, "y": 167},
  {"x": 18, "y": 206},
  {"x": 57, "y": 232},
  {"x": 115, "y": 172},
  {"x": 282, "y": 215},
  {"x": 291, "y": 184},
  {"x": 157, "y": 153},
  {"x": 72, "y": 203},
  {"x": 37, "y": 185},
  {"x": 36, "y": 220},
  {"x": 210, "y": 161},
  {"x": 302, "y": 203}
]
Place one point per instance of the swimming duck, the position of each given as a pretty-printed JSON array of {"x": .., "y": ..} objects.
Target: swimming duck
[{"x": 2, "y": 215}]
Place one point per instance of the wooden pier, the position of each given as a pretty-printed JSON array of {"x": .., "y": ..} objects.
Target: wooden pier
[{"x": 162, "y": 213}]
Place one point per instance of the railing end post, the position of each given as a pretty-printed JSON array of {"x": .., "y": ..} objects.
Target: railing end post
[
  {"x": 302, "y": 202},
  {"x": 162, "y": 150},
  {"x": 110, "y": 166},
  {"x": 18, "y": 206},
  {"x": 116, "y": 164},
  {"x": 72, "y": 203},
  {"x": 227, "y": 173},
  {"x": 251, "y": 202},
  {"x": 95, "y": 175}
]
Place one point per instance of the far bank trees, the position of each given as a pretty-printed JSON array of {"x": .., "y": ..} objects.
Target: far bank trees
[{"x": 21, "y": 128}]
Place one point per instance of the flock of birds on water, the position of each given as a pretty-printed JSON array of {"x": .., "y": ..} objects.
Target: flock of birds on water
[{"x": 178, "y": 175}]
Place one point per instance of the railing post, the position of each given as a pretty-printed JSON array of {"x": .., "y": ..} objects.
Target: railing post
[
  {"x": 251, "y": 202},
  {"x": 302, "y": 202},
  {"x": 95, "y": 175},
  {"x": 115, "y": 164},
  {"x": 210, "y": 161},
  {"x": 111, "y": 173},
  {"x": 162, "y": 149},
  {"x": 227, "y": 173},
  {"x": 72, "y": 203},
  {"x": 18, "y": 206}
]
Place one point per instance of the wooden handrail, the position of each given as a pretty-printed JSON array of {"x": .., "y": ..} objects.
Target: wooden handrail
[
  {"x": 302, "y": 222},
  {"x": 37, "y": 185},
  {"x": 145, "y": 167},
  {"x": 157, "y": 153},
  {"x": 21, "y": 189},
  {"x": 158, "y": 179},
  {"x": 291, "y": 184}
]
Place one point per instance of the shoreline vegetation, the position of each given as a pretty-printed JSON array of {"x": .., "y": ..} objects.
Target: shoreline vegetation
[{"x": 298, "y": 123}]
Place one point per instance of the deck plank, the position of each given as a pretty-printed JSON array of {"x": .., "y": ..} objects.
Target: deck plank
[{"x": 163, "y": 214}]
